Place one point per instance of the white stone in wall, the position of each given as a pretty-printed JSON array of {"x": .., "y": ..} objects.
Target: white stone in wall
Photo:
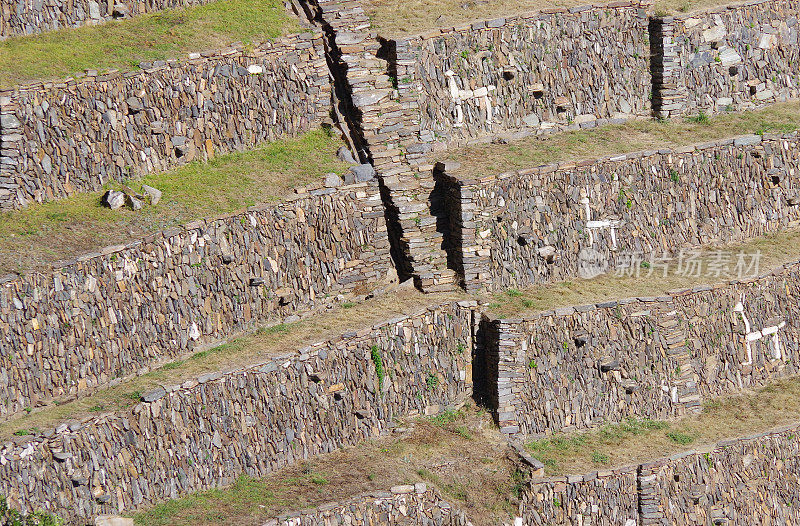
[
  {"x": 691, "y": 22},
  {"x": 767, "y": 41},
  {"x": 460, "y": 96},
  {"x": 724, "y": 102},
  {"x": 764, "y": 94},
  {"x": 728, "y": 56},
  {"x": 752, "y": 336},
  {"x": 714, "y": 34},
  {"x": 592, "y": 225}
]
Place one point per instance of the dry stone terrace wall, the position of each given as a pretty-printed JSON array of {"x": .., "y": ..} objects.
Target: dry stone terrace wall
[
  {"x": 406, "y": 505},
  {"x": 531, "y": 226},
  {"x": 26, "y": 17},
  {"x": 73, "y": 136},
  {"x": 112, "y": 314},
  {"x": 580, "y": 366},
  {"x": 604, "y": 498},
  {"x": 751, "y": 480},
  {"x": 209, "y": 430},
  {"x": 731, "y": 58},
  {"x": 735, "y": 483},
  {"x": 582, "y": 65},
  {"x": 380, "y": 119}
]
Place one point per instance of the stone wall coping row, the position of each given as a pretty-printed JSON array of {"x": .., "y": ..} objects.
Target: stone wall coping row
[
  {"x": 739, "y": 140},
  {"x": 537, "y": 14},
  {"x": 592, "y": 475},
  {"x": 662, "y": 461},
  {"x": 405, "y": 489},
  {"x": 235, "y": 50},
  {"x": 301, "y": 193},
  {"x": 569, "y": 310},
  {"x": 682, "y": 17},
  {"x": 270, "y": 364}
]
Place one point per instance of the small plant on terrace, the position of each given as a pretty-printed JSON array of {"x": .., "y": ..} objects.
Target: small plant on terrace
[
  {"x": 681, "y": 438},
  {"x": 448, "y": 417},
  {"x": 700, "y": 118},
  {"x": 432, "y": 381},
  {"x": 37, "y": 518},
  {"x": 600, "y": 458},
  {"x": 463, "y": 432}
]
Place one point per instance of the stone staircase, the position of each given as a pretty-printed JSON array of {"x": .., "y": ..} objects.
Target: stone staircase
[
  {"x": 683, "y": 386},
  {"x": 382, "y": 114}
]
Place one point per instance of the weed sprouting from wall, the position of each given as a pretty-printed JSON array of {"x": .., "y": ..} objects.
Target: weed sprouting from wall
[{"x": 377, "y": 359}]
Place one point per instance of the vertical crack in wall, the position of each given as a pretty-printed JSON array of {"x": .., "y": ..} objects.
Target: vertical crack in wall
[
  {"x": 347, "y": 116},
  {"x": 350, "y": 119},
  {"x": 485, "y": 365},
  {"x": 449, "y": 218}
]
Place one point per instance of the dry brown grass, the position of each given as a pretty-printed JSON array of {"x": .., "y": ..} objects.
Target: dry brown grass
[
  {"x": 413, "y": 17},
  {"x": 637, "y": 440},
  {"x": 238, "y": 352},
  {"x": 629, "y": 137},
  {"x": 775, "y": 250},
  {"x": 461, "y": 454}
]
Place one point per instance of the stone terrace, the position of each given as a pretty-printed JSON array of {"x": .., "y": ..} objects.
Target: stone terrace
[{"x": 445, "y": 136}]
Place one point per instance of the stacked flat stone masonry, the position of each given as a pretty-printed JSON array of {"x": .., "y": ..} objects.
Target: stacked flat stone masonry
[
  {"x": 379, "y": 114},
  {"x": 59, "y": 138},
  {"x": 531, "y": 226},
  {"x": 428, "y": 106},
  {"x": 114, "y": 313},
  {"x": 209, "y": 430},
  {"x": 730, "y": 58},
  {"x": 660, "y": 357},
  {"x": 407, "y": 505},
  {"x": 749, "y": 480},
  {"x": 538, "y": 71},
  {"x": 27, "y": 17},
  {"x": 607, "y": 498}
]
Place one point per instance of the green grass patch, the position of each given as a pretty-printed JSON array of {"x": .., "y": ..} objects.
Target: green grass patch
[
  {"x": 680, "y": 438},
  {"x": 600, "y": 458},
  {"x": 593, "y": 445},
  {"x": 463, "y": 432},
  {"x": 37, "y": 518},
  {"x": 279, "y": 328},
  {"x": 62, "y": 229},
  {"x": 123, "y": 44},
  {"x": 447, "y": 417},
  {"x": 243, "y": 498},
  {"x": 616, "y": 139}
]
